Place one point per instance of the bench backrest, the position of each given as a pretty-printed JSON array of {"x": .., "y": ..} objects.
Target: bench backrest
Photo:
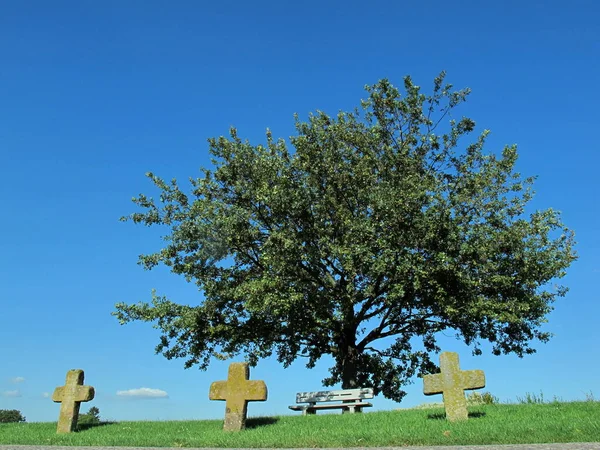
[{"x": 333, "y": 396}]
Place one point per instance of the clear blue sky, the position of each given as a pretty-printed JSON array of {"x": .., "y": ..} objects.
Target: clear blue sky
[{"x": 95, "y": 94}]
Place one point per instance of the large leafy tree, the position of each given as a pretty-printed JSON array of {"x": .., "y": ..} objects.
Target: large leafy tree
[{"x": 378, "y": 231}]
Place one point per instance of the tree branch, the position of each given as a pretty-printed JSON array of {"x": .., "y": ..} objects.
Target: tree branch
[{"x": 370, "y": 302}]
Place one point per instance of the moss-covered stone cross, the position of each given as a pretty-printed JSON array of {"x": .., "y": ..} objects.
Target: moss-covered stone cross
[
  {"x": 70, "y": 397},
  {"x": 452, "y": 383},
  {"x": 237, "y": 391}
]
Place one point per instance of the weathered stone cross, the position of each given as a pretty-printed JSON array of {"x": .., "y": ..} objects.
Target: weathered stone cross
[
  {"x": 237, "y": 391},
  {"x": 70, "y": 397},
  {"x": 452, "y": 383}
]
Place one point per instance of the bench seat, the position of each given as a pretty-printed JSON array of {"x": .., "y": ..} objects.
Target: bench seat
[
  {"x": 352, "y": 400},
  {"x": 350, "y": 407}
]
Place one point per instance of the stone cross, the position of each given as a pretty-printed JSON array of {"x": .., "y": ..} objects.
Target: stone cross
[
  {"x": 452, "y": 383},
  {"x": 70, "y": 397},
  {"x": 237, "y": 391}
]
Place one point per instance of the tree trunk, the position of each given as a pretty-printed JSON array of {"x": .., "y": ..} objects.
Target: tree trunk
[
  {"x": 348, "y": 352},
  {"x": 348, "y": 360},
  {"x": 349, "y": 369}
]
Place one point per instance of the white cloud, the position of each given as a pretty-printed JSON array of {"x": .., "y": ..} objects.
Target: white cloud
[
  {"x": 143, "y": 393},
  {"x": 14, "y": 393},
  {"x": 17, "y": 380},
  {"x": 46, "y": 395}
]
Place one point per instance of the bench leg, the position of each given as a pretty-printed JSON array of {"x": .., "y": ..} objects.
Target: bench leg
[
  {"x": 348, "y": 410},
  {"x": 306, "y": 412},
  {"x": 351, "y": 409}
]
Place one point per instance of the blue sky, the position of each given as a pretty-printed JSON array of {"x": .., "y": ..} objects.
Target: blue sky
[{"x": 95, "y": 94}]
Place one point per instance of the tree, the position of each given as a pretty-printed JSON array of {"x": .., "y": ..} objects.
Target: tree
[
  {"x": 91, "y": 417},
  {"x": 375, "y": 234},
  {"x": 11, "y": 416}
]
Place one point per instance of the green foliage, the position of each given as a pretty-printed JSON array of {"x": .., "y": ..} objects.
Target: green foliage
[
  {"x": 381, "y": 229},
  {"x": 11, "y": 416},
  {"x": 589, "y": 396},
  {"x": 531, "y": 398},
  {"x": 485, "y": 398},
  {"x": 92, "y": 417}
]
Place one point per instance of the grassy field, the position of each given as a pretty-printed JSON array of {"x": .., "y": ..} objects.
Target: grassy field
[{"x": 487, "y": 424}]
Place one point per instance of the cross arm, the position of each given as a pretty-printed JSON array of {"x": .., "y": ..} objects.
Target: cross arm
[
  {"x": 473, "y": 379},
  {"x": 57, "y": 395},
  {"x": 256, "y": 391},
  {"x": 218, "y": 390},
  {"x": 433, "y": 384},
  {"x": 85, "y": 393}
]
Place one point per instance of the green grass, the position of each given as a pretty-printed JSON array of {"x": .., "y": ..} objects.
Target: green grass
[{"x": 488, "y": 424}]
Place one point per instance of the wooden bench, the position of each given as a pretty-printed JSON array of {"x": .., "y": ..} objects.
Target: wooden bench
[{"x": 352, "y": 400}]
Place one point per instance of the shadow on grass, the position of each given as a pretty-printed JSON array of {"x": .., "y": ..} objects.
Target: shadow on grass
[
  {"x": 256, "y": 422},
  {"x": 87, "y": 426},
  {"x": 442, "y": 416}
]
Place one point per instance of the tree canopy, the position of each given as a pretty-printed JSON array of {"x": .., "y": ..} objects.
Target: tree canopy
[{"x": 369, "y": 234}]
